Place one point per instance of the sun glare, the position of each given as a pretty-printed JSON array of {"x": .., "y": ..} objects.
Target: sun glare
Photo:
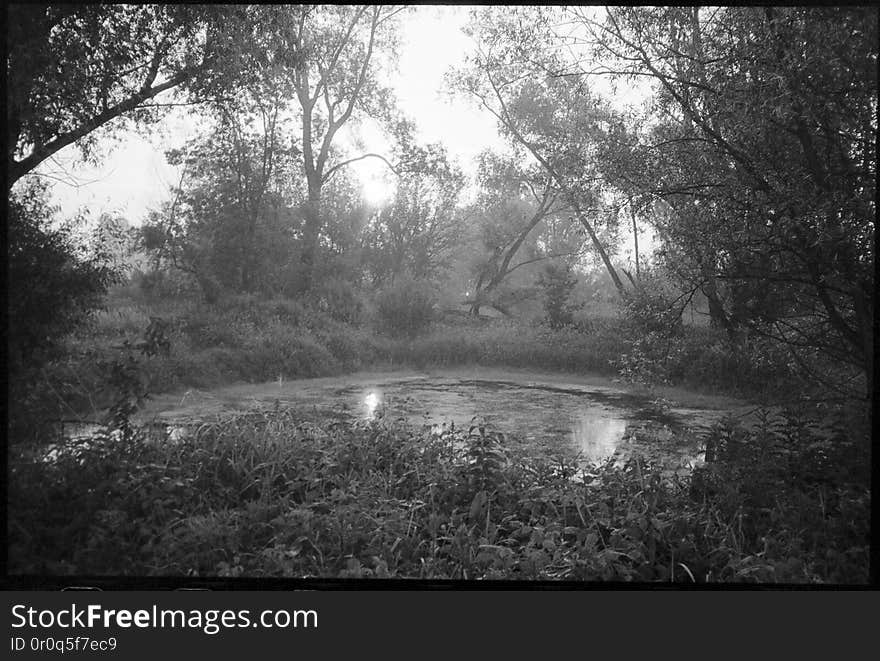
[
  {"x": 376, "y": 191},
  {"x": 371, "y": 403}
]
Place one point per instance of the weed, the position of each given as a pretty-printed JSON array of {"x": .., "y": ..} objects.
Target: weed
[{"x": 271, "y": 495}]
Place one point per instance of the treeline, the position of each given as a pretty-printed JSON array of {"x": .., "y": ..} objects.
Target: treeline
[{"x": 754, "y": 162}]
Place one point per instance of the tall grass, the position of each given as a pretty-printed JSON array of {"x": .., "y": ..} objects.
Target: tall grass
[{"x": 505, "y": 343}]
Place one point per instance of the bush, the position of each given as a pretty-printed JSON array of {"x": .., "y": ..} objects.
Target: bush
[
  {"x": 271, "y": 494},
  {"x": 707, "y": 357},
  {"x": 338, "y": 299},
  {"x": 654, "y": 330},
  {"x": 558, "y": 282},
  {"x": 156, "y": 285},
  {"x": 53, "y": 285},
  {"x": 406, "y": 308}
]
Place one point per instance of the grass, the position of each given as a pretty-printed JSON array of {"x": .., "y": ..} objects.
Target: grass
[
  {"x": 511, "y": 344},
  {"x": 274, "y": 494},
  {"x": 250, "y": 340}
]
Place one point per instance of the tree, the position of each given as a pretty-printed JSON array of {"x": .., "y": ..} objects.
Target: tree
[
  {"x": 230, "y": 221},
  {"x": 414, "y": 235},
  {"x": 558, "y": 282},
  {"x": 771, "y": 127},
  {"x": 73, "y": 69},
  {"x": 333, "y": 79},
  {"x": 54, "y": 283},
  {"x": 555, "y": 119},
  {"x": 512, "y": 203}
]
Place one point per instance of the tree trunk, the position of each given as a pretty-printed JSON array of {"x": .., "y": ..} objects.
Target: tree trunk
[
  {"x": 718, "y": 317},
  {"x": 476, "y": 302},
  {"x": 636, "y": 241},
  {"x": 864, "y": 315},
  {"x": 311, "y": 232},
  {"x": 599, "y": 248}
]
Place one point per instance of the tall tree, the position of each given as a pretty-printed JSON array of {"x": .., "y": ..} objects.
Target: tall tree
[
  {"x": 334, "y": 78},
  {"x": 414, "y": 234},
  {"x": 771, "y": 127},
  {"x": 555, "y": 119},
  {"x": 511, "y": 205},
  {"x": 222, "y": 223}
]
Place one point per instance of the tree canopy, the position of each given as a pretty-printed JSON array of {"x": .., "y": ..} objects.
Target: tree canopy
[
  {"x": 754, "y": 158},
  {"x": 72, "y": 69}
]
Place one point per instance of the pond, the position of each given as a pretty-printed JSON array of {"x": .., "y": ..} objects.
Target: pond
[{"x": 591, "y": 418}]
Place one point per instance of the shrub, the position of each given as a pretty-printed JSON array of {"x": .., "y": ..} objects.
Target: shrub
[
  {"x": 654, "y": 330},
  {"x": 206, "y": 329},
  {"x": 345, "y": 348},
  {"x": 53, "y": 285},
  {"x": 406, "y": 308},
  {"x": 650, "y": 308},
  {"x": 558, "y": 282},
  {"x": 338, "y": 299}
]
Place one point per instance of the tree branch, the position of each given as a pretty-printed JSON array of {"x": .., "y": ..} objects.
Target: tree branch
[
  {"x": 338, "y": 166},
  {"x": 17, "y": 169}
]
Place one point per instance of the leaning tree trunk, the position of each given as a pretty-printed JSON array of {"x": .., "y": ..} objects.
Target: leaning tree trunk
[
  {"x": 599, "y": 247},
  {"x": 478, "y": 296},
  {"x": 635, "y": 241}
]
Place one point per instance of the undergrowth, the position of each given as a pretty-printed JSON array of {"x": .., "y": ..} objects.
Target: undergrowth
[{"x": 272, "y": 494}]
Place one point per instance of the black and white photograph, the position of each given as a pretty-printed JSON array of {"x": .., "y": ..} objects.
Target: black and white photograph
[{"x": 441, "y": 294}]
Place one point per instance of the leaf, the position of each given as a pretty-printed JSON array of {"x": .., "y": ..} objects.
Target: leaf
[{"x": 478, "y": 504}]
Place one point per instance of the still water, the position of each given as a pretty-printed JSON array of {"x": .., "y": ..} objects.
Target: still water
[
  {"x": 590, "y": 422},
  {"x": 588, "y": 418}
]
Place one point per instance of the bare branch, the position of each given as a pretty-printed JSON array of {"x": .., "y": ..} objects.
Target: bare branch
[{"x": 330, "y": 172}]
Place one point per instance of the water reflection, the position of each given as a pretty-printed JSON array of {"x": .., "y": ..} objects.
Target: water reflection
[
  {"x": 573, "y": 420},
  {"x": 596, "y": 434},
  {"x": 371, "y": 403}
]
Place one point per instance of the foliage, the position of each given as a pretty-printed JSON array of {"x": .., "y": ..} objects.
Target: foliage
[
  {"x": 557, "y": 119},
  {"x": 558, "y": 282},
  {"x": 126, "y": 379},
  {"x": 230, "y": 222},
  {"x": 246, "y": 338},
  {"x": 511, "y": 344},
  {"x": 650, "y": 307},
  {"x": 660, "y": 349},
  {"x": 769, "y": 125},
  {"x": 54, "y": 284},
  {"x": 406, "y": 308},
  {"x": 415, "y": 234},
  {"x": 340, "y": 300},
  {"x": 768, "y": 474},
  {"x": 516, "y": 221},
  {"x": 754, "y": 160},
  {"x": 333, "y": 81},
  {"x": 273, "y": 494},
  {"x": 75, "y": 68},
  {"x": 707, "y": 359}
]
